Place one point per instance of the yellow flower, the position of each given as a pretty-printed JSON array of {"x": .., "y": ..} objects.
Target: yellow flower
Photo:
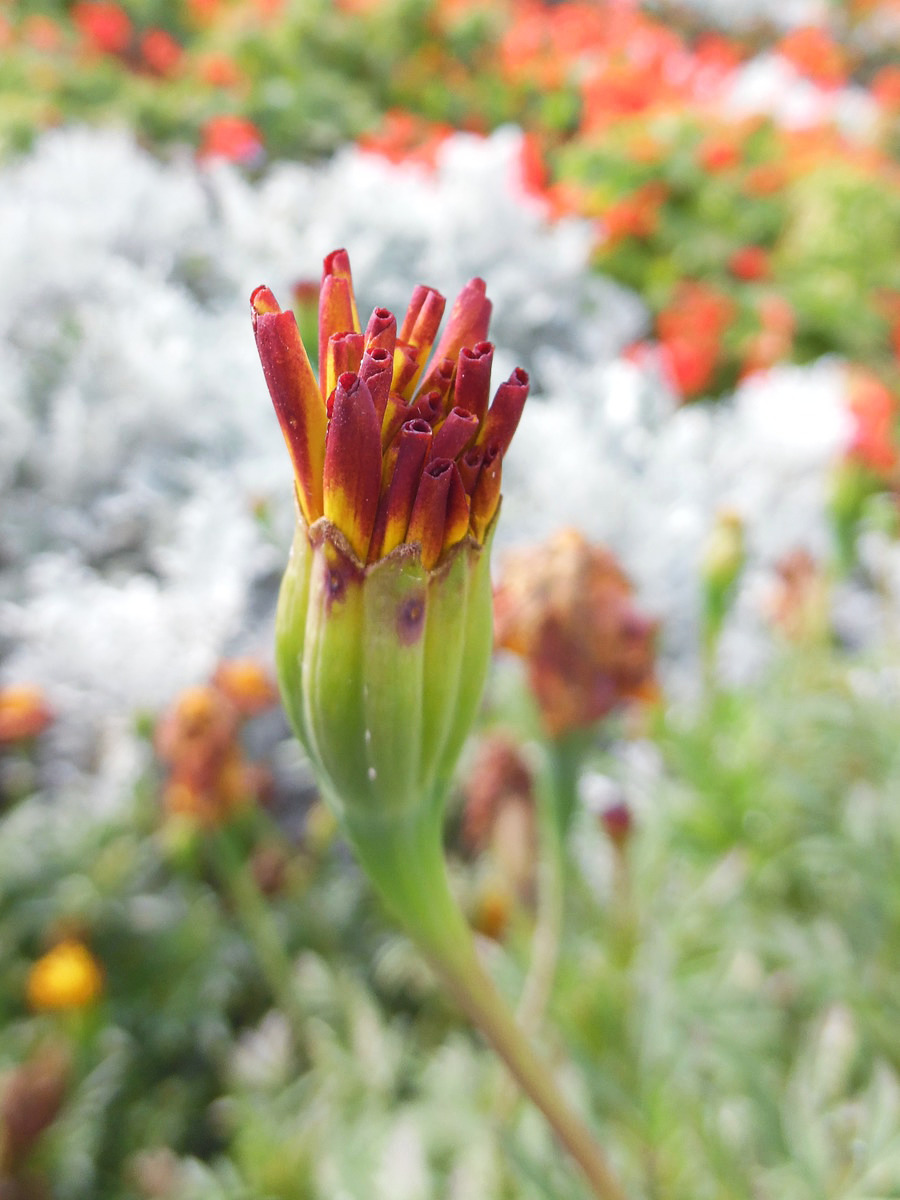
[{"x": 68, "y": 976}]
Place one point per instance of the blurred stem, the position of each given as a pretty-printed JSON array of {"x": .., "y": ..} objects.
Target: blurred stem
[
  {"x": 258, "y": 922},
  {"x": 556, "y": 799},
  {"x": 406, "y": 863}
]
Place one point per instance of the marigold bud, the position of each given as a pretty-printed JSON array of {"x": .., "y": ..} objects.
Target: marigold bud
[{"x": 384, "y": 622}]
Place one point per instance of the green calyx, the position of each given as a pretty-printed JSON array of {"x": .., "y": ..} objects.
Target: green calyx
[{"x": 381, "y": 671}]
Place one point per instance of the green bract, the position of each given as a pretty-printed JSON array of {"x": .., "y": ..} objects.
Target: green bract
[
  {"x": 381, "y": 669},
  {"x": 384, "y": 621}
]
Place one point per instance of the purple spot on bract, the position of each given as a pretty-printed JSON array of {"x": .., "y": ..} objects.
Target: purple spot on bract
[
  {"x": 411, "y": 619},
  {"x": 335, "y": 585}
]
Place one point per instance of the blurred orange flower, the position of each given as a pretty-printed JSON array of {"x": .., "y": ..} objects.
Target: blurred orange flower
[
  {"x": 246, "y": 684},
  {"x": 566, "y": 608},
  {"x": 24, "y": 712},
  {"x": 815, "y": 54},
  {"x": 209, "y": 778},
  {"x": 636, "y": 215},
  {"x": 220, "y": 71},
  {"x": 765, "y": 179},
  {"x": 885, "y": 87}
]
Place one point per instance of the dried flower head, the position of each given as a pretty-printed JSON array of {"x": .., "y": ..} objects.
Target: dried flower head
[{"x": 566, "y": 608}]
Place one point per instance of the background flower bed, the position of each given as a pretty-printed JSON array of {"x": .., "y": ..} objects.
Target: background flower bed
[
  {"x": 743, "y": 1044},
  {"x": 758, "y": 160}
]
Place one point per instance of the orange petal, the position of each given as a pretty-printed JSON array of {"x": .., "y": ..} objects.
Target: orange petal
[
  {"x": 413, "y": 444},
  {"x": 381, "y": 330},
  {"x": 473, "y": 378},
  {"x": 344, "y": 354},
  {"x": 337, "y": 307},
  {"x": 486, "y": 495},
  {"x": 504, "y": 414},
  {"x": 352, "y": 471},
  {"x": 455, "y": 434},
  {"x": 295, "y": 395},
  {"x": 467, "y": 325},
  {"x": 377, "y": 371},
  {"x": 439, "y": 484}
]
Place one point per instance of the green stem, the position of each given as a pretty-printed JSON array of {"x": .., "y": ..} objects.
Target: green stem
[
  {"x": 257, "y": 920},
  {"x": 557, "y": 800},
  {"x": 555, "y": 803},
  {"x": 538, "y": 984},
  {"x": 407, "y": 865}
]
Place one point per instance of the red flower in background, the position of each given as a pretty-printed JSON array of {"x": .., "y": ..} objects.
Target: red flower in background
[
  {"x": 690, "y": 332},
  {"x": 534, "y": 172},
  {"x": 816, "y": 55},
  {"x": 161, "y": 53},
  {"x": 691, "y": 364},
  {"x": 405, "y": 137},
  {"x": 719, "y": 152},
  {"x": 874, "y": 415},
  {"x": 750, "y": 263},
  {"x": 104, "y": 26},
  {"x": 234, "y": 138}
]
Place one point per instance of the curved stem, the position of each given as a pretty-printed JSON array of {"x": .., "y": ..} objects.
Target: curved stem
[{"x": 407, "y": 866}]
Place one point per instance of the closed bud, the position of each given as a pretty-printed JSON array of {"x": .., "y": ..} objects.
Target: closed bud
[{"x": 384, "y": 630}]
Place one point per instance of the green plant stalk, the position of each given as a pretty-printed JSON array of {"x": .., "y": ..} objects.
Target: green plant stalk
[
  {"x": 406, "y": 863},
  {"x": 258, "y": 923},
  {"x": 555, "y": 802}
]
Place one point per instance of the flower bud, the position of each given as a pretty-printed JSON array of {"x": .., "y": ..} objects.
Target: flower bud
[{"x": 383, "y": 633}]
